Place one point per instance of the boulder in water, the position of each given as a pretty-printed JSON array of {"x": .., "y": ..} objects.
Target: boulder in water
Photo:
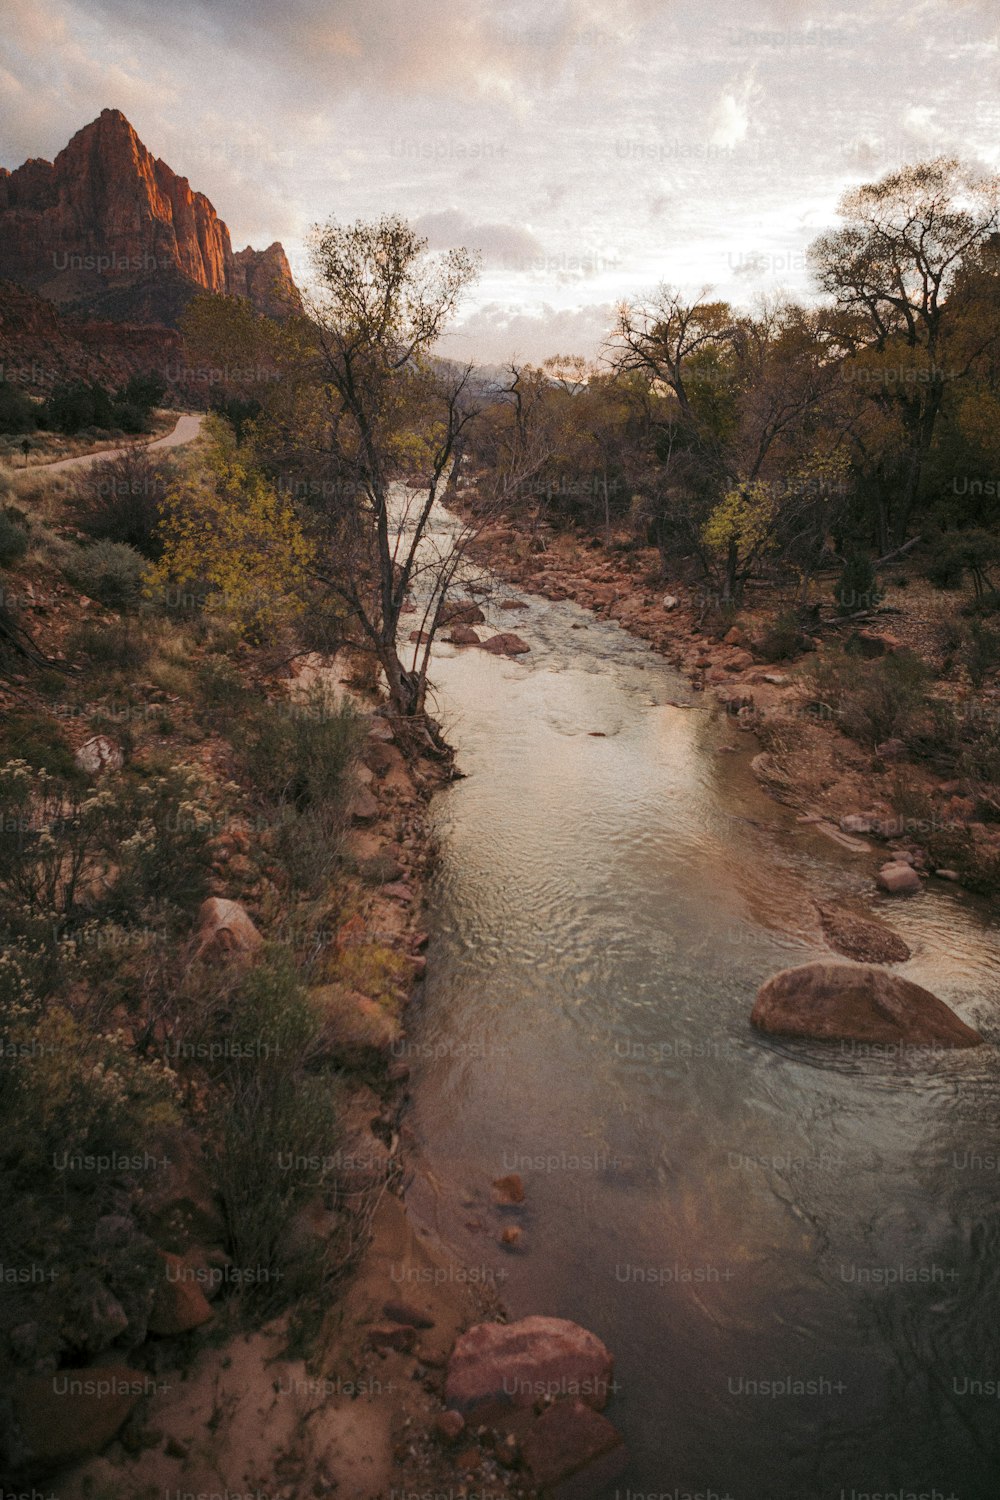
[
  {"x": 506, "y": 644},
  {"x": 857, "y": 1003}
]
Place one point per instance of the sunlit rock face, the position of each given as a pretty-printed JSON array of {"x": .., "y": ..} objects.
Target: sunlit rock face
[{"x": 109, "y": 229}]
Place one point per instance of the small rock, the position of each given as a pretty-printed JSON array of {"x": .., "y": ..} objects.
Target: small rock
[
  {"x": 363, "y": 806},
  {"x": 461, "y": 614},
  {"x": 571, "y": 1442},
  {"x": 861, "y": 938},
  {"x": 733, "y": 637},
  {"x": 449, "y": 1426},
  {"x": 947, "y": 875},
  {"x": 893, "y": 749},
  {"x": 405, "y": 1312},
  {"x": 75, "y": 1413},
  {"x": 463, "y": 635},
  {"x": 669, "y": 601},
  {"x": 498, "y": 1365},
  {"x": 505, "y": 644},
  {"x": 898, "y": 879},
  {"x": 100, "y": 754},
  {"x": 512, "y": 1238},
  {"x": 179, "y": 1304},
  {"x": 512, "y": 604},
  {"x": 508, "y": 1191}
]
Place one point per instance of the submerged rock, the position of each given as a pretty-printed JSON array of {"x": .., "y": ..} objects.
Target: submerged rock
[
  {"x": 461, "y": 614},
  {"x": 508, "y": 1190},
  {"x": 857, "y": 1002},
  {"x": 463, "y": 635},
  {"x": 861, "y": 938}
]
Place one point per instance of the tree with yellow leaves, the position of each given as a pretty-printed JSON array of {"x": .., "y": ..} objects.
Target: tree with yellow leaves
[{"x": 232, "y": 540}]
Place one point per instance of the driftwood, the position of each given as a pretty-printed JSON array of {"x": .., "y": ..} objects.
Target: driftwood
[{"x": 880, "y": 562}]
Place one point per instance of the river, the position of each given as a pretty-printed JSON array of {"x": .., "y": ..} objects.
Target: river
[{"x": 792, "y": 1250}]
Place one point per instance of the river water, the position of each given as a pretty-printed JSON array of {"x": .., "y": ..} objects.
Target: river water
[{"x": 792, "y": 1250}]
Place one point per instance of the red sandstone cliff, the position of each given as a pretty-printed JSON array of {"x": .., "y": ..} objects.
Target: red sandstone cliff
[{"x": 109, "y": 229}]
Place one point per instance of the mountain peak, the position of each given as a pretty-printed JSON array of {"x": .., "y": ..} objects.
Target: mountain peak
[{"x": 108, "y": 229}]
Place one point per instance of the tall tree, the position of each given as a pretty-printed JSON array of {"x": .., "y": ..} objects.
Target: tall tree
[
  {"x": 890, "y": 269},
  {"x": 393, "y": 413}
]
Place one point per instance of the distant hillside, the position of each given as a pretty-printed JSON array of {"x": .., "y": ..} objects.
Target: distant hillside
[{"x": 41, "y": 346}]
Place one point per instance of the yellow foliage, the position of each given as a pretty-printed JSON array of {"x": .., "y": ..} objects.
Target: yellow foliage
[
  {"x": 234, "y": 537},
  {"x": 744, "y": 516}
]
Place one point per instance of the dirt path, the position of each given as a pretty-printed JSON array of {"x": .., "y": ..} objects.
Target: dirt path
[{"x": 187, "y": 429}]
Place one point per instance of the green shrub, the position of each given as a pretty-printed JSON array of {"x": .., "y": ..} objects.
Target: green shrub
[
  {"x": 119, "y": 500},
  {"x": 981, "y": 653},
  {"x": 127, "y": 848},
  {"x": 121, "y": 645},
  {"x": 278, "y": 1131},
  {"x": 959, "y": 552},
  {"x": 782, "y": 639},
  {"x": 872, "y": 700},
  {"x": 39, "y": 740},
  {"x": 299, "y": 753},
  {"x": 110, "y": 572},
  {"x": 18, "y": 413},
  {"x": 857, "y": 587},
  {"x": 75, "y": 1092},
  {"x": 13, "y": 539}
]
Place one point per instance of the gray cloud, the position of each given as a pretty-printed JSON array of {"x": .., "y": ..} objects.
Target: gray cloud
[{"x": 507, "y": 245}]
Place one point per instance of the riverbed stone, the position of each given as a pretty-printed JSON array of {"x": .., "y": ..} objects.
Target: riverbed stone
[
  {"x": 509, "y": 1190},
  {"x": 898, "y": 878},
  {"x": 862, "y": 938},
  {"x": 574, "y": 1453},
  {"x": 857, "y": 1002},
  {"x": 506, "y": 644},
  {"x": 461, "y": 614},
  {"x": 463, "y": 635},
  {"x": 498, "y": 1365}
]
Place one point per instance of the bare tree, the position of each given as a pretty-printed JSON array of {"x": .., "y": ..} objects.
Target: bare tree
[{"x": 393, "y": 413}]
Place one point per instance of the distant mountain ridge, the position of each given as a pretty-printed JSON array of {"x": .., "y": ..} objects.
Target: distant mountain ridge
[{"x": 111, "y": 231}]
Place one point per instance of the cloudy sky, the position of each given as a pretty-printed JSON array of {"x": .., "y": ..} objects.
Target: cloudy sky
[{"x": 589, "y": 148}]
